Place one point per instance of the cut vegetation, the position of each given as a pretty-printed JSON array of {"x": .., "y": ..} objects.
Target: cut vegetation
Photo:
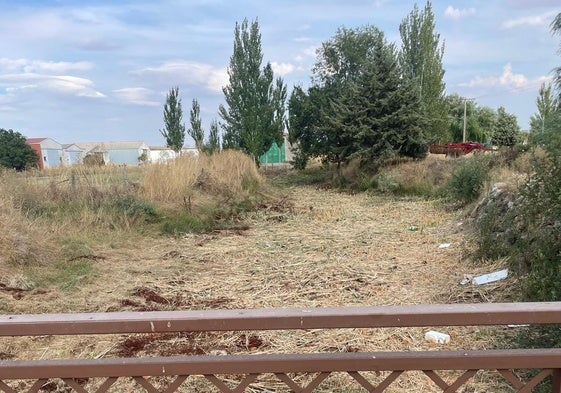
[{"x": 214, "y": 234}]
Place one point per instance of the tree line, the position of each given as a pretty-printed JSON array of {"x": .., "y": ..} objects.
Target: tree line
[{"x": 368, "y": 100}]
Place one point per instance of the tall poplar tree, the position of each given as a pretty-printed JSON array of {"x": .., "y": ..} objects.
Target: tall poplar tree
[
  {"x": 174, "y": 129},
  {"x": 213, "y": 138},
  {"x": 253, "y": 117},
  {"x": 556, "y": 29},
  {"x": 196, "y": 130},
  {"x": 547, "y": 106},
  {"x": 421, "y": 60}
]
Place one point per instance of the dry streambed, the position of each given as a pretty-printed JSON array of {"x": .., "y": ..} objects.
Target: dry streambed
[{"x": 316, "y": 248}]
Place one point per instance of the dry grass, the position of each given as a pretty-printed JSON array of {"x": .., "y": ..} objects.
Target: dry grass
[
  {"x": 321, "y": 249},
  {"x": 226, "y": 173},
  {"x": 21, "y": 242}
]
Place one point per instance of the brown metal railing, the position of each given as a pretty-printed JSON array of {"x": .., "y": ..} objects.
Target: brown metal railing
[{"x": 78, "y": 373}]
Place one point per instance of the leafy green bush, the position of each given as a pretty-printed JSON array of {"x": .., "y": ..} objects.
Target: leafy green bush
[
  {"x": 468, "y": 179},
  {"x": 530, "y": 234}
]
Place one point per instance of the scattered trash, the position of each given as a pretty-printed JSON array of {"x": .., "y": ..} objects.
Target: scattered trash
[
  {"x": 444, "y": 245},
  {"x": 467, "y": 279},
  {"x": 218, "y": 352},
  {"x": 437, "y": 337},
  {"x": 413, "y": 228},
  {"x": 491, "y": 277}
]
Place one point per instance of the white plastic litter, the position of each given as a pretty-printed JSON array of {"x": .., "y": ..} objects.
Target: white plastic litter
[
  {"x": 466, "y": 280},
  {"x": 437, "y": 337},
  {"x": 491, "y": 277},
  {"x": 444, "y": 245}
]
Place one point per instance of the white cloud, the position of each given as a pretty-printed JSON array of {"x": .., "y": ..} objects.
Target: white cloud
[
  {"x": 310, "y": 51},
  {"x": 380, "y": 3},
  {"x": 61, "y": 84},
  {"x": 282, "y": 68},
  {"x": 456, "y": 13},
  {"x": 27, "y": 65},
  {"x": 508, "y": 79},
  {"x": 136, "y": 95},
  {"x": 535, "y": 20},
  {"x": 188, "y": 72}
]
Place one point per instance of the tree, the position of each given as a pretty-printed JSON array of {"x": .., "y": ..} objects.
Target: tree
[
  {"x": 359, "y": 106},
  {"x": 253, "y": 117},
  {"x": 480, "y": 121},
  {"x": 213, "y": 138},
  {"x": 506, "y": 129},
  {"x": 379, "y": 117},
  {"x": 196, "y": 130},
  {"x": 342, "y": 58},
  {"x": 15, "y": 152},
  {"x": 547, "y": 106},
  {"x": 174, "y": 129},
  {"x": 303, "y": 118},
  {"x": 556, "y": 29},
  {"x": 421, "y": 60}
]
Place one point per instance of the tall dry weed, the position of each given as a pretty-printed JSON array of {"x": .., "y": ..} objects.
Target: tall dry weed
[
  {"x": 420, "y": 177},
  {"x": 22, "y": 243},
  {"x": 225, "y": 173}
]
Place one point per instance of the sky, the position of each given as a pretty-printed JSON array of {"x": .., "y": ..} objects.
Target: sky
[{"x": 88, "y": 71}]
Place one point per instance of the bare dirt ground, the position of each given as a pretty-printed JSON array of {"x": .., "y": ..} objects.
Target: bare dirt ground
[{"x": 312, "y": 248}]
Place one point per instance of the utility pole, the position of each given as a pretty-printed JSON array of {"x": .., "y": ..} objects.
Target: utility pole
[
  {"x": 465, "y": 116},
  {"x": 465, "y": 111}
]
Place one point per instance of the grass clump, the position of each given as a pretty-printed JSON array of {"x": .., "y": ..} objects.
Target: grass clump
[
  {"x": 184, "y": 222},
  {"x": 133, "y": 209},
  {"x": 66, "y": 275}
]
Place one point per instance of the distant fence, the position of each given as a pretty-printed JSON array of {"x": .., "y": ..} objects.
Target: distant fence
[{"x": 79, "y": 374}]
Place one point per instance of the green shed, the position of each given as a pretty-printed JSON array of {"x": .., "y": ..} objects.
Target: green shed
[{"x": 274, "y": 155}]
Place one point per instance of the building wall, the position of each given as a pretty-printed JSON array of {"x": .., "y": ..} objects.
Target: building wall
[
  {"x": 51, "y": 157},
  {"x": 75, "y": 157},
  {"x": 161, "y": 156},
  {"x": 124, "y": 156}
]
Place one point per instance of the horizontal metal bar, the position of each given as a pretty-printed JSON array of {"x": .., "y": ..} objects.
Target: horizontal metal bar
[
  {"x": 275, "y": 363},
  {"x": 282, "y": 318}
]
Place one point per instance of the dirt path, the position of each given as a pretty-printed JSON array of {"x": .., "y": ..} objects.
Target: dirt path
[{"x": 325, "y": 249}]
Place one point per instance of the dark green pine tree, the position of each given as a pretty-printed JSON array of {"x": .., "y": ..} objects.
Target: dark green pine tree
[
  {"x": 253, "y": 117},
  {"x": 379, "y": 117}
]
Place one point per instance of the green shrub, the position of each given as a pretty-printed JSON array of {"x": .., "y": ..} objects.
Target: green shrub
[
  {"x": 134, "y": 209},
  {"x": 181, "y": 223},
  {"x": 468, "y": 179},
  {"x": 386, "y": 182}
]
